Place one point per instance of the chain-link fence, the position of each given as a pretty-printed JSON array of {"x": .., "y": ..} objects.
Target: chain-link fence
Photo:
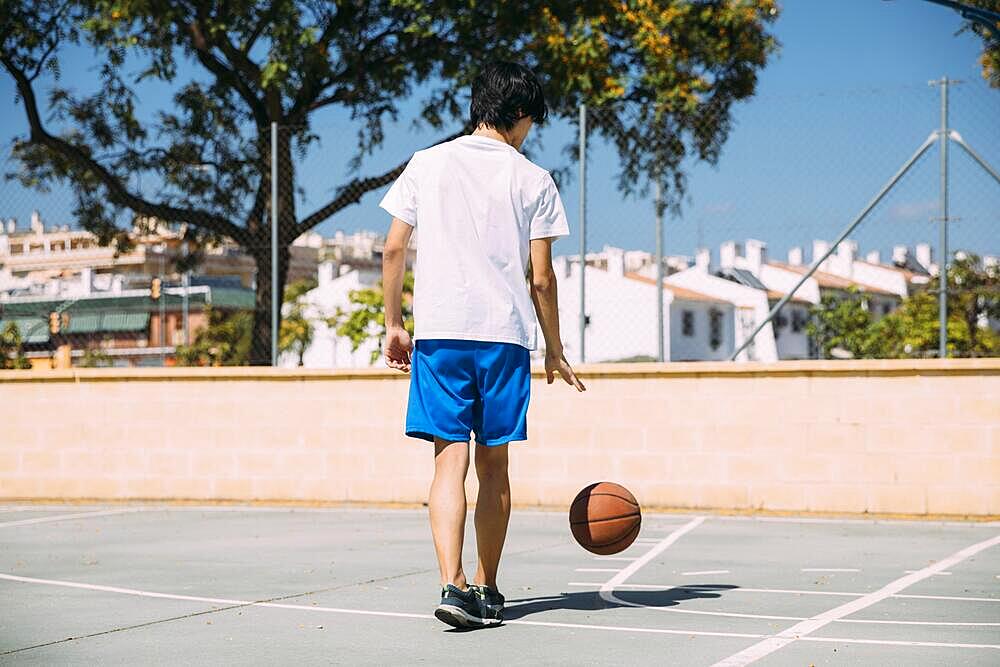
[
  {"x": 751, "y": 266},
  {"x": 753, "y": 199}
]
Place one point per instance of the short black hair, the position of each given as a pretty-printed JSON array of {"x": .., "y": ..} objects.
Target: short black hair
[{"x": 503, "y": 93}]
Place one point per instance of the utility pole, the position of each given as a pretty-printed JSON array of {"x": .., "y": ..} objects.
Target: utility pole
[
  {"x": 583, "y": 231},
  {"x": 186, "y": 283},
  {"x": 943, "y": 221},
  {"x": 658, "y": 203},
  {"x": 275, "y": 302}
]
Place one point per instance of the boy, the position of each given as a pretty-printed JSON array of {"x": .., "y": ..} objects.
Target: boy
[{"x": 486, "y": 217}]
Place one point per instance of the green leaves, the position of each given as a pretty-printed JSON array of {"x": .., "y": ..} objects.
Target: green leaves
[
  {"x": 12, "y": 349},
  {"x": 297, "y": 331},
  {"x": 365, "y": 320},
  {"x": 845, "y": 322}
]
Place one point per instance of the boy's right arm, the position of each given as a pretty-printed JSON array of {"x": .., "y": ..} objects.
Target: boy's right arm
[
  {"x": 398, "y": 345},
  {"x": 544, "y": 296}
]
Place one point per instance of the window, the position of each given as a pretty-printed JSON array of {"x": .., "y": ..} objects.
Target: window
[
  {"x": 799, "y": 320},
  {"x": 687, "y": 322},
  {"x": 886, "y": 308},
  {"x": 715, "y": 328}
]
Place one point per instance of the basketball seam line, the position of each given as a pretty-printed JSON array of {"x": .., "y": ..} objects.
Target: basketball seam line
[
  {"x": 620, "y": 539},
  {"x": 610, "y": 518}
]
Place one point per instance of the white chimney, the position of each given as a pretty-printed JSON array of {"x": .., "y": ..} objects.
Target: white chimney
[
  {"x": 616, "y": 260},
  {"x": 561, "y": 266},
  {"x": 87, "y": 279},
  {"x": 899, "y": 254},
  {"x": 702, "y": 260},
  {"x": 728, "y": 252},
  {"x": 795, "y": 256},
  {"x": 12, "y": 225},
  {"x": 756, "y": 255},
  {"x": 924, "y": 255},
  {"x": 325, "y": 273},
  {"x": 842, "y": 262},
  {"x": 874, "y": 257},
  {"x": 820, "y": 248},
  {"x": 36, "y": 223}
]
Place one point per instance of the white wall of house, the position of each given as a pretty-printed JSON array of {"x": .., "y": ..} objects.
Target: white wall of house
[
  {"x": 622, "y": 312},
  {"x": 710, "y": 334},
  {"x": 622, "y": 315},
  {"x": 328, "y": 350},
  {"x": 751, "y": 308},
  {"x": 790, "y": 331}
]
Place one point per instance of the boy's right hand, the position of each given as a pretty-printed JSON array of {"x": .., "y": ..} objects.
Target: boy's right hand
[
  {"x": 558, "y": 364},
  {"x": 397, "y": 349}
]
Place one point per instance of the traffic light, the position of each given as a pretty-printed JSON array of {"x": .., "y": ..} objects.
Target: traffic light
[
  {"x": 154, "y": 289},
  {"x": 54, "y": 323}
]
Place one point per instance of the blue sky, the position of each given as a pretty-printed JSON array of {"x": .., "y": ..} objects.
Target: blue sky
[{"x": 839, "y": 109}]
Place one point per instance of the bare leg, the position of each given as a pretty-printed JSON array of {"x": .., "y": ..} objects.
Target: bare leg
[
  {"x": 448, "y": 508},
  {"x": 492, "y": 511}
]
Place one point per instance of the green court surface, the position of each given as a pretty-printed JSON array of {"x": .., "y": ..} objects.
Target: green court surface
[{"x": 175, "y": 585}]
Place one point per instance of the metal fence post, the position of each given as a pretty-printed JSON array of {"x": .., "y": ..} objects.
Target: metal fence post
[
  {"x": 943, "y": 244},
  {"x": 275, "y": 303},
  {"x": 658, "y": 203},
  {"x": 583, "y": 231},
  {"x": 185, "y": 307}
]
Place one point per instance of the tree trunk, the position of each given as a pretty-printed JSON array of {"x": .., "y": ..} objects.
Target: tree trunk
[{"x": 260, "y": 347}]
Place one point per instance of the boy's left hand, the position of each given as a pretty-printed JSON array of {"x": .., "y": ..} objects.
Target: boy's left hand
[{"x": 397, "y": 349}]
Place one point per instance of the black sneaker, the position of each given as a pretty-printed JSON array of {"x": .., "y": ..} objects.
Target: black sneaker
[
  {"x": 490, "y": 603},
  {"x": 458, "y": 608}
]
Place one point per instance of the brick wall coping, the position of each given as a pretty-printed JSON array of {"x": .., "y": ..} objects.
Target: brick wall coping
[{"x": 882, "y": 367}]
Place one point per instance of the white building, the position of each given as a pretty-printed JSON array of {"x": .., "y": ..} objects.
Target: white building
[
  {"x": 328, "y": 350},
  {"x": 622, "y": 315}
]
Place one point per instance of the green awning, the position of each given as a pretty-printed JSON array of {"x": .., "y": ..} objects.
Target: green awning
[
  {"x": 32, "y": 329},
  {"x": 85, "y": 323},
  {"x": 125, "y": 322}
]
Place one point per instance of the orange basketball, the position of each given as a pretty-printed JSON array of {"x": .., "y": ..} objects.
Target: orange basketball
[{"x": 605, "y": 518}]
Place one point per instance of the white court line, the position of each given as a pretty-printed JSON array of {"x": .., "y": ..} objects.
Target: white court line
[
  {"x": 63, "y": 517},
  {"x": 700, "y": 572},
  {"x": 790, "y": 591},
  {"x": 895, "y": 642},
  {"x": 887, "y": 622},
  {"x": 607, "y": 591},
  {"x": 337, "y": 610},
  {"x": 948, "y": 597},
  {"x": 739, "y": 589},
  {"x": 597, "y": 569},
  {"x": 392, "y": 614},
  {"x": 789, "y": 635},
  {"x": 830, "y": 569},
  {"x": 938, "y": 574}
]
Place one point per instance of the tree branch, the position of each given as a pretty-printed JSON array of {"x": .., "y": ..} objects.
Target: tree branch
[
  {"x": 117, "y": 192},
  {"x": 352, "y": 192},
  {"x": 223, "y": 74}
]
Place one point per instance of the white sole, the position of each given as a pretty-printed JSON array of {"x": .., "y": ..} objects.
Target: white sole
[{"x": 456, "y": 617}]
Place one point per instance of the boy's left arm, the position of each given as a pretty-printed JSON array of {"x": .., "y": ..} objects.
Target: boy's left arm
[{"x": 398, "y": 345}]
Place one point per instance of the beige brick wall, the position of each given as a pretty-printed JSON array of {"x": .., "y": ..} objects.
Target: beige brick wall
[{"x": 889, "y": 436}]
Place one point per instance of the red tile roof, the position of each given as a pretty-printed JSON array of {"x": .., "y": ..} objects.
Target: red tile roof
[
  {"x": 680, "y": 293},
  {"x": 831, "y": 281}
]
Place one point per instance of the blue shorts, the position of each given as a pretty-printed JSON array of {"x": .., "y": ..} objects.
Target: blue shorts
[{"x": 458, "y": 386}]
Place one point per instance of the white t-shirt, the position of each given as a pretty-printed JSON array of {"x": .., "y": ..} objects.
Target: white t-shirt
[{"x": 476, "y": 203}]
